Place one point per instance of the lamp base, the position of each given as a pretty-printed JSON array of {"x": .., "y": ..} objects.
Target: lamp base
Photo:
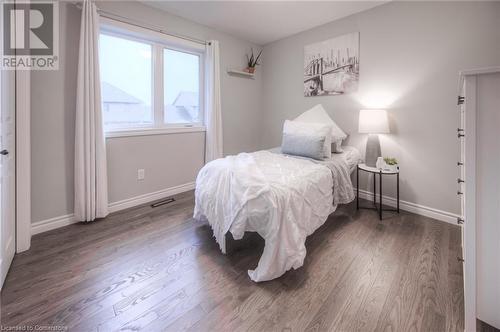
[{"x": 373, "y": 150}]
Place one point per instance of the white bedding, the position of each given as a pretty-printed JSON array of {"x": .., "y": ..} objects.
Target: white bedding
[{"x": 283, "y": 198}]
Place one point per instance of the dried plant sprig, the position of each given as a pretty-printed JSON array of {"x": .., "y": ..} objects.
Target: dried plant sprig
[{"x": 253, "y": 61}]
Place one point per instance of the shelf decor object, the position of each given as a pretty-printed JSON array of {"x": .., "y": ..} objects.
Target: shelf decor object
[{"x": 252, "y": 62}]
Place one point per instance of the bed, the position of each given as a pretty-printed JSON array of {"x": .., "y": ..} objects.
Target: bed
[{"x": 281, "y": 197}]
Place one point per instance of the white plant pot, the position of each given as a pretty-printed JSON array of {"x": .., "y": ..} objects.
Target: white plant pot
[{"x": 391, "y": 168}]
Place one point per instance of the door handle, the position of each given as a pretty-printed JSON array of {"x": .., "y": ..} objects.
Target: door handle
[{"x": 4, "y": 152}]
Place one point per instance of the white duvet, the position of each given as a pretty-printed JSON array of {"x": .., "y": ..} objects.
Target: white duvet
[{"x": 283, "y": 198}]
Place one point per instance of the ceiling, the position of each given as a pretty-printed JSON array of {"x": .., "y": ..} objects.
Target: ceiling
[{"x": 262, "y": 22}]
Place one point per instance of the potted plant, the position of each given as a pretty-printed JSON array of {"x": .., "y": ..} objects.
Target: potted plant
[
  {"x": 252, "y": 62},
  {"x": 391, "y": 164}
]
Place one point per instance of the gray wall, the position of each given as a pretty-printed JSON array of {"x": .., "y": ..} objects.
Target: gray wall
[
  {"x": 410, "y": 55},
  {"x": 169, "y": 160},
  {"x": 53, "y": 102}
]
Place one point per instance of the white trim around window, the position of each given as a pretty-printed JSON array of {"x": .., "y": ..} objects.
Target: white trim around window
[
  {"x": 159, "y": 42},
  {"x": 154, "y": 131}
]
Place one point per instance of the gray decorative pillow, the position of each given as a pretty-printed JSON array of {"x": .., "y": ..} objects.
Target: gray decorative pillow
[{"x": 310, "y": 146}]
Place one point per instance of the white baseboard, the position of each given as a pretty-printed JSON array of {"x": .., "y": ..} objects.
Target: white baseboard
[
  {"x": 57, "y": 222},
  {"x": 414, "y": 208},
  {"x": 146, "y": 198},
  {"x": 52, "y": 223}
]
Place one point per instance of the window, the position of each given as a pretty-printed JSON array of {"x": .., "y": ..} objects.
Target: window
[
  {"x": 148, "y": 82},
  {"x": 126, "y": 83},
  {"x": 181, "y": 83}
]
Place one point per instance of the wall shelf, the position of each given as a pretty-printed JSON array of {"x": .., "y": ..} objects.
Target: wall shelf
[{"x": 240, "y": 73}]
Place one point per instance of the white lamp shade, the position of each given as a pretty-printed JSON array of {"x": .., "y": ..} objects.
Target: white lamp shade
[{"x": 373, "y": 122}]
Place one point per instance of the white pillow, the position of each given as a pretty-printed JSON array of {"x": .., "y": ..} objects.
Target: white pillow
[
  {"x": 317, "y": 114},
  {"x": 337, "y": 146},
  {"x": 312, "y": 129}
]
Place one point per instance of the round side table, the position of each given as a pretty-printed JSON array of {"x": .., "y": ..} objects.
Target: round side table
[{"x": 380, "y": 172}]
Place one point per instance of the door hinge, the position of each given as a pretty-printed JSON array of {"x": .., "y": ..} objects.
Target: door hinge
[{"x": 460, "y": 100}]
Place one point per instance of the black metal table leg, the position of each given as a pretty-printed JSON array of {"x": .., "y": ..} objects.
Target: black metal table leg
[
  {"x": 357, "y": 187},
  {"x": 379, "y": 206},
  {"x": 380, "y": 198},
  {"x": 397, "y": 179}
]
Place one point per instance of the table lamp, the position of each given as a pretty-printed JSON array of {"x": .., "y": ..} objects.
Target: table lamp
[{"x": 373, "y": 122}]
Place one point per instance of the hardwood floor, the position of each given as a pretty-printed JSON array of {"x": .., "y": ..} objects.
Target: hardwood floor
[
  {"x": 484, "y": 327},
  {"x": 157, "y": 269}
]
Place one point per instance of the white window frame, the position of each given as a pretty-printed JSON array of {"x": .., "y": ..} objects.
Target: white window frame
[{"x": 159, "y": 42}]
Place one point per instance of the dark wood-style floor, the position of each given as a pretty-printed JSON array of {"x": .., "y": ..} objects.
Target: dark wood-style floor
[
  {"x": 157, "y": 269},
  {"x": 484, "y": 327}
]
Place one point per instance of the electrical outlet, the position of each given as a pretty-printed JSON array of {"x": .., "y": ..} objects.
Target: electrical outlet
[{"x": 141, "y": 174}]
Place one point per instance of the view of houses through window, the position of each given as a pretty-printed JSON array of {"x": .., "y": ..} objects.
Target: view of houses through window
[
  {"x": 128, "y": 86},
  {"x": 180, "y": 85}
]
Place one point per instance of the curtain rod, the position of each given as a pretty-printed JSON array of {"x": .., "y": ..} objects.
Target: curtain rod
[{"x": 127, "y": 20}]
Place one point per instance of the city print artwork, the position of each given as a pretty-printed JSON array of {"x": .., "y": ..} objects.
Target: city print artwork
[{"x": 331, "y": 67}]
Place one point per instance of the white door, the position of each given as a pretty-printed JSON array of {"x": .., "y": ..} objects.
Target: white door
[
  {"x": 488, "y": 199},
  {"x": 7, "y": 171}
]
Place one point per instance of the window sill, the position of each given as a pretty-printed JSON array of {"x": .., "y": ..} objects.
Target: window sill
[{"x": 153, "y": 131}]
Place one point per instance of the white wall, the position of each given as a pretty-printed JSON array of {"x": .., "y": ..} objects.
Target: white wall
[
  {"x": 168, "y": 159},
  {"x": 410, "y": 56}
]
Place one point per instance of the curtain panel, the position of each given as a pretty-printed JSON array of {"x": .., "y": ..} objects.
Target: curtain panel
[
  {"x": 91, "y": 182},
  {"x": 213, "y": 113}
]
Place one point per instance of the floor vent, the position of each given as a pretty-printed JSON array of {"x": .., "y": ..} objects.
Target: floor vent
[{"x": 163, "y": 202}]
